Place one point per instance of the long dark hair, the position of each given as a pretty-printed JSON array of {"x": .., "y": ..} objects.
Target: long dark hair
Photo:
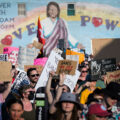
[{"x": 57, "y": 115}]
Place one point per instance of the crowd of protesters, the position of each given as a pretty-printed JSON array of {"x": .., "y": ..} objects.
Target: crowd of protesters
[{"x": 90, "y": 99}]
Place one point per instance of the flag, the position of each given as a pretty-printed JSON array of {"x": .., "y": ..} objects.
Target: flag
[{"x": 40, "y": 33}]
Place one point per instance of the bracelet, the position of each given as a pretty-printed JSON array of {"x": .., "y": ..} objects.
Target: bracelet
[{"x": 60, "y": 85}]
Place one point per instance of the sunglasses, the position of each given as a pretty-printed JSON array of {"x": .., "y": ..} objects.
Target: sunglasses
[
  {"x": 34, "y": 75},
  {"x": 84, "y": 71}
]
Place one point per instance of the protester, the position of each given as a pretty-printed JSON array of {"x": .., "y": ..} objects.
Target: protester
[
  {"x": 29, "y": 108},
  {"x": 97, "y": 112},
  {"x": 15, "y": 109},
  {"x": 33, "y": 75},
  {"x": 67, "y": 108}
]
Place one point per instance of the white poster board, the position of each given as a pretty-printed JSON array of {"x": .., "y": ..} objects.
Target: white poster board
[
  {"x": 71, "y": 80},
  {"x": 3, "y": 57},
  {"x": 51, "y": 65}
]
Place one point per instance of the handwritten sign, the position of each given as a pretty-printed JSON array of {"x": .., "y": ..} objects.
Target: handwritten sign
[
  {"x": 38, "y": 67},
  {"x": 3, "y": 57},
  {"x": 113, "y": 76},
  {"x": 26, "y": 56},
  {"x": 71, "y": 80},
  {"x": 40, "y": 61},
  {"x": 51, "y": 65},
  {"x": 1, "y": 48},
  {"x": 5, "y": 68},
  {"x": 66, "y": 66},
  {"x": 81, "y": 55},
  {"x": 8, "y": 50}
]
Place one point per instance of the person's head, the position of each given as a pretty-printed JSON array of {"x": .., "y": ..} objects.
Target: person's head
[
  {"x": 84, "y": 72},
  {"x": 24, "y": 91},
  {"x": 15, "y": 109},
  {"x": 112, "y": 93},
  {"x": 33, "y": 75},
  {"x": 53, "y": 10},
  {"x": 66, "y": 88},
  {"x": 97, "y": 112},
  {"x": 68, "y": 102}
]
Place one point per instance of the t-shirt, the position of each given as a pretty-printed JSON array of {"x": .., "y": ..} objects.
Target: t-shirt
[{"x": 84, "y": 96}]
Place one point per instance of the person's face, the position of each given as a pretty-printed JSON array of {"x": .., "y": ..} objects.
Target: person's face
[
  {"x": 67, "y": 106},
  {"x": 84, "y": 72},
  {"x": 53, "y": 12},
  {"x": 65, "y": 88},
  {"x": 15, "y": 111},
  {"x": 34, "y": 76},
  {"x": 93, "y": 84},
  {"x": 26, "y": 93},
  {"x": 111, "y": 101}
]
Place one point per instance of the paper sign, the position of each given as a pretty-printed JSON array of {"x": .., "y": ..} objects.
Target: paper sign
[
  {"x": 37, "y": 45},
  {"x": 38, "y": 67},
  {"x": 40, "y": 61},
  {"x": 9, "y": 50},
  {"x": 51, "y": 65},
  {"x": 3, "y": 57},
  {"x": 26, "y": 56},
  {"x": 81, "y": 55},
  {"x": 71, "y": 81},
  {"x": 66, "y": 66},
  {"x": 21, "y": 79},
  {"x": 5, "y": 71},
  {"x": 113, "y": 76}
]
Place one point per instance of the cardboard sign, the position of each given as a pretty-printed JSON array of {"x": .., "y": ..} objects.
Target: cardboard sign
[
  {"x": 101, "y": 66},
  {"x": 81, "y": 55},
  {"x": 3, "y": 57},
  {"x": 106, "y": 48},
  {"x": 1, "y": 48},
  {"x": 51, "y": 65},
  {"x": 37, "y": 45},
  {"x": 66, "y": 66},
  {"x": 71, "y": 81},
  {"x": 5, "y": 71},
  {"x": 40, "y": 61},
  {"x": 26, "y": 56},
  {"x": 113, "y": 76},
  {"x": 38, "y": 67}
]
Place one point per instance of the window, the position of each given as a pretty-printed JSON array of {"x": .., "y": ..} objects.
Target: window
[
  {"x": 71, "y": 10},
  {"x": 21, "y": 9}
]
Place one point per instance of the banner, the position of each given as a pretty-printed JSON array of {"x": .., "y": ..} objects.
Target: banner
[
  {"x": 71, "y": 81},
  {"x": 66, "y": 66},
  {"x": 38, "y": 67},
  {"x": 51, "y": 65},
  {"x": 81, "y": 55},
  {"x": 5, "y": 71},
  {"x": 113, "y": 76},
  {"x": 3, "y": 57},
  {"x": 26, "y": 56}
]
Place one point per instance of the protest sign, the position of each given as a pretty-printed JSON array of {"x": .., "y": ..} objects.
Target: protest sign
[
  {"x": 37, "y": 45},
  {"x": 1, "y": 48},
  {"x": 21, "y": 79},
  {"x": 5, "y": 71},
  {"x": 81, "y": 55},
  {"x": 71, "y": 80},
  {"x": 51, "y": 65},
  {"x": 66, "y": 66},
  {"x": 38, "y": 67},
  {"x": 12, "y": 54},
  {"x": 101, "y": 66},
  {"x": 3, "y": 57},
  {"x": 26, "y": 56},
  {"x": 113, "y": 76},
  {"x": 40, "y": 61},
  {"x": 106, "y": 48}
]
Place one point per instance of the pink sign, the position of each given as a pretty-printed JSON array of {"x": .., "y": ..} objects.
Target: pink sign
[
  {"x": 40, "y": 61},
  {"x": 8, "y": 50}
]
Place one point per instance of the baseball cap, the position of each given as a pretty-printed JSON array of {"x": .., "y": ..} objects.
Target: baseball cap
[{"x": 98, "y": 109}]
